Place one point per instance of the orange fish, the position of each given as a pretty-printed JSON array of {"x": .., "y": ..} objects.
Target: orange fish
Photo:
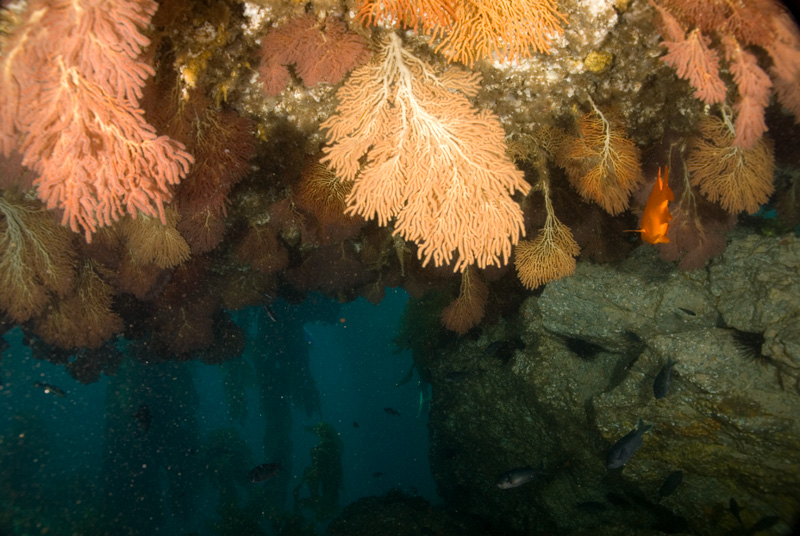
[{"x": 656, "y": 216}]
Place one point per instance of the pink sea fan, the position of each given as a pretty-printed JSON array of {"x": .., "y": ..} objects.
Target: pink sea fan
[{"x": 322, "y": 51}]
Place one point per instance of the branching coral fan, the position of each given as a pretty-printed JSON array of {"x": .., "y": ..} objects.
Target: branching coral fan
[
  {"x": 321, "y": 194},
  {"x": 84, "y": 318},
  {"x": 739, "y": 179},
  {"x": 151, "y": 242},
  {"x": 70, "y": 84},
  {"x": 601, "y": 163},
  {"x": 467, "y": 310},
  {"x": 506, "y": 28},
  {"x": 321, "y": 51},
  {"x": 471, "y": 30},
  {"x": 688, "y": 26},
  {"x": 551, "y": 255},
  {"x": 37, "y": 258},
  {"x": 425, "y": 14},
  {"x": 433, "y": 162}
]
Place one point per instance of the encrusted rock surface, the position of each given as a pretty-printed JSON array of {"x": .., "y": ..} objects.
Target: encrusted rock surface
[{"x": 594, "y": 343}]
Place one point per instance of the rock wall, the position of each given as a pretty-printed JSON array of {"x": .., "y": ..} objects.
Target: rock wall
[{"x": 593, "y": 345}]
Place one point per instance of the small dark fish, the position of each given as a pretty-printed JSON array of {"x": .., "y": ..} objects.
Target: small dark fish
[
  {"x": 764, "y": 523},
  {"x": 622, "y": 451},
  {"x": 143, "y": 417},
  {"x": 670, "y": 484},
  {"x": 263, "y": 472},
  {"x": 733, "y": 506},
  {"x": 50, "y": 389},
  {"x": 592, "y": 507},
  {"x": 377, "y": 474},
  {"x": 392, "y": 411},
  {"x": 356, "y": 425},
  {"x": 663, "y": 379},
  {"x": 687, "y": 311},
  {"x": 518, "y": 477}
]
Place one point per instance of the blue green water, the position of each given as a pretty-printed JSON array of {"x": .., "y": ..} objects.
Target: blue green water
[{"x": 83, "y": 463}]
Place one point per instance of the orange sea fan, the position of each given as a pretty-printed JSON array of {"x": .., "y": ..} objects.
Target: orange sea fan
[
  {"x": 601, "y": 163},
  {"x": 323, "y": 194},
  {"x": 419, "y": 152},
  {"x": 427, "y": 14},
  {"x": 139, "y": 279},
  {"x": 71, "y": 77},
  {"x": 738, "y": 179},
  {"x": 694, "y": 61},
  {"x": 203, "y": 229},
  {"x": 785, "y": 53},
  {"x": 84, "y": 318},
  {"x": 509, "y": 29},
  {"x": 151, "y": 241},
  {"x": 37, "y": 257},
  {"x": 754, "y": 87},
  {"x": 262, "y": 250},
  {"x": 223, "y": 144},
  {"x": 748, "y": 21},
  {"x": 466, "y": 311},
  {"x": 551, "y": 255}
]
